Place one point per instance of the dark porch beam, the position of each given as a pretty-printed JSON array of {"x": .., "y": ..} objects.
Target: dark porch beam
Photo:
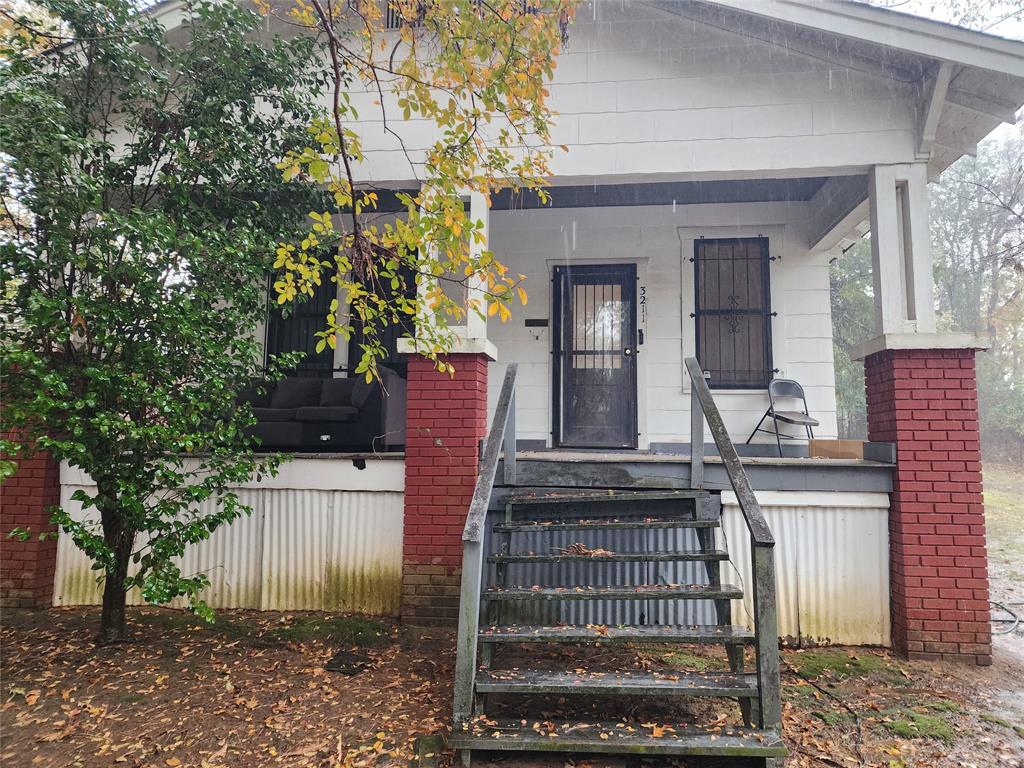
[
  {"x": 838, "y": 207},
  {"x": 765, "y": 475},
  {"x": 663, "y": 193}
]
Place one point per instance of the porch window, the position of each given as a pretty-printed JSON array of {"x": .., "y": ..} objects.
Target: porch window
[
  {"x": 388, "y": 334},
  {"x": 733, "y": 312},
  {"x": 295, "y": 333}
]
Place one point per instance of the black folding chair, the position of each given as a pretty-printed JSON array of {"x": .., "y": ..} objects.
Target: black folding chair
[{"x": 785, "y": 388}]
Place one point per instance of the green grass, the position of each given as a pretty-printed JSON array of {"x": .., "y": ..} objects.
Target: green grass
[
  {"x": 942, "y": 705},
  {"x": 905, "y": 723},
  {"x": 996, "y": 720},
  {"x": 683, "y": 659},
  {"x": 833, "y": 718},
  {"x": 1004, "y": 511},
  {"x": 838, "y": 664}
]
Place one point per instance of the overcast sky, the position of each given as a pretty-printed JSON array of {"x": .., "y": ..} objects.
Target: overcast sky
[{"x": 998, "y": 17}]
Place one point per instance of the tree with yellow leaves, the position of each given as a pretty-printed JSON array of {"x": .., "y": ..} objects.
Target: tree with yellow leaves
[{"x": 477, "y": 72}]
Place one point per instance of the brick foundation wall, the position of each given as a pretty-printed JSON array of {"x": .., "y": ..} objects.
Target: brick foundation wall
[
  {"x": 926, "y": 402},
  {"x": 446, "y": 418},
  {"x": 27, "y": 567}
]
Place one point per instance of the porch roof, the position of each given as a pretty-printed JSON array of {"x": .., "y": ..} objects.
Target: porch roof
[{"x": 968, "y": 81}]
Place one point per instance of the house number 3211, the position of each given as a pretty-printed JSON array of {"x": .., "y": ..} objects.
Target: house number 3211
[{"x": 643, "y": 304}]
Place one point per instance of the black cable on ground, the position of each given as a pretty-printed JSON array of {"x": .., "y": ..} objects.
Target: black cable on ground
[{"x": 1013, "y": 622}]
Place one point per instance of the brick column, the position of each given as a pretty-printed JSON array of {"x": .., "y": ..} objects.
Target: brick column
[
  {"x": 925, "y": 401},
  {"x": 446, "y": 418},
  {"x": 27, "y": 567}
]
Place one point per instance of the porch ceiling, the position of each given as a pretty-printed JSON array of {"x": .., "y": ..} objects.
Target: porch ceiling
[{"x": 664, "y": 193}]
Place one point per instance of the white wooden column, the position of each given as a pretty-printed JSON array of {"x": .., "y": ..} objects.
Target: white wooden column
[
  {"x": 471, "y": 337},
  {"x": 901, "y": 249},
  {"x": 476, "y": 326}
]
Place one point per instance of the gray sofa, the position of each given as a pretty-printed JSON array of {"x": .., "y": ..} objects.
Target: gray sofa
[{"x": 337, "y": 414}]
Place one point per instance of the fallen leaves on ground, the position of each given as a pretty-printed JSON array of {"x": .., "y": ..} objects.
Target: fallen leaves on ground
[
  {"x": 187, "y": 696},
  {"x": 246, "y": 693}
]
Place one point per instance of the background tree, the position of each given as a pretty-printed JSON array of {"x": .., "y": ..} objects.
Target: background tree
[
  {"x": 977, "y": 219},
  {"x": 141, "y": 210},
  {"x": 476, "y": 73},
  {"x": 978, "y": 243},
  {"x": 853, "y": 322}
]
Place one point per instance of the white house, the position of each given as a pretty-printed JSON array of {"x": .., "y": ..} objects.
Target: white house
[{"x": 721, "y": 153}]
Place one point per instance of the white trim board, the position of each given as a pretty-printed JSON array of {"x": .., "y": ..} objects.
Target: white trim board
[{"x": 881, "y": 26}]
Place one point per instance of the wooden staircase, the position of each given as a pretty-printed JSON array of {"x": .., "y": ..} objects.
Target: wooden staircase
[{"x": 505, "y": 704}]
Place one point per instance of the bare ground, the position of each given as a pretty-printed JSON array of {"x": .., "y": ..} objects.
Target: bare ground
[{"x": 252, "y": 690}]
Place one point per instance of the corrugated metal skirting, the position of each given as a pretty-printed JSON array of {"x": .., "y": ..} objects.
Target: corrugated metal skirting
[
  {"x": 608, "y": 612},
  {"x": 831, "y": 562},
  {"x": 300, "y": 549}
]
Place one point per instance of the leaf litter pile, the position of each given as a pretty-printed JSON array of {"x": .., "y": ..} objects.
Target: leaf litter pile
[
  {"x": 250, "y": 690},
  {"x": 255, "y": 689}
]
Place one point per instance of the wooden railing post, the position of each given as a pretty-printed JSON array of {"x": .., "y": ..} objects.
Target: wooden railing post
[
  {"x": 762, "y": 543},
  {"x": 696, "y": 438},
  {"x": 473, "y": 535},
  {"x": 766, "y": 629},
  {"x": 509, "y": 447},
  {"x": 469, "y": 627}
]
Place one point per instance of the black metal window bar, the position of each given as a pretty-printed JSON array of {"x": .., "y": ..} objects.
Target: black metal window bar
[
  {"x": 388, "y": 334},
  {"x": 732, "y": 312},
  {"x": 395, "y": 19},
  {"x": 295, "y": 332}
]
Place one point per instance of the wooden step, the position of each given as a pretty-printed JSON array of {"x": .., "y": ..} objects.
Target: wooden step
[
  {"x": 528, "y": 681},
  {"x": 601, "y": 524},
  {"x": 617, "y": 738},
  {"x": 638, "y": 592},
  {"x": 617, "y": 557},
  {"x": 580, "y": 497},
  {"x": 706, "y": 634}
]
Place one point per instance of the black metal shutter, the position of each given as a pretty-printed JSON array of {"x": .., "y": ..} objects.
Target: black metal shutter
[
  {"x": 732, "y": 312},
  {"x": 296, "y": 331}
]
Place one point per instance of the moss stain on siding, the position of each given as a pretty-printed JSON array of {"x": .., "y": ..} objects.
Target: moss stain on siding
[{"x": 375, "y": 589}]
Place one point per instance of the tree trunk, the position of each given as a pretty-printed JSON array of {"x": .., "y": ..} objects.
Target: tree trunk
[{"x": 113, "y": 627}]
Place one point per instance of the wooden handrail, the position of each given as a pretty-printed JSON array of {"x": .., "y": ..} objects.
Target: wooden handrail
[
  {"x": 762, "y": 543},
  {"x": 505, "y": 410},
  {"x": 501, "y": 436},
  {"x": 760, "y": 533}
]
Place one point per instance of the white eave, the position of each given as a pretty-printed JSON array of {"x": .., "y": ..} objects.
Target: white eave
[{"x": 913, "y": 34}]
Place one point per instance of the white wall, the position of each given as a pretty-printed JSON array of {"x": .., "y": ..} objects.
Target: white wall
[
  {"x": 831, "y": 564},
  {"x": 640, "y": 90},
  {"x": 660, "y": 241},
  {"x": 323, "y": 535}
]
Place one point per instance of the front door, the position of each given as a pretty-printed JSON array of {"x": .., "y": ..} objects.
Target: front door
[{"x": 595, "y": 356}]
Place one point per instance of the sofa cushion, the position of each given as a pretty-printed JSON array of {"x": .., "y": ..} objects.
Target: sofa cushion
[
  {"x": 281, "y": 434},
  {"x": 337, "y": 392},
  {"x": 256, "y": 394},
  {"x": 274, "y": 414},
  {"x": 319, "y": 413},
  {"x": 296, "y": 392},
  {"x": 362, "y": 390}
]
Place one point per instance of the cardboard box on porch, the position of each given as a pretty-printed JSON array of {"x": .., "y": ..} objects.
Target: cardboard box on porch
[{"x": 836, "y": 449}]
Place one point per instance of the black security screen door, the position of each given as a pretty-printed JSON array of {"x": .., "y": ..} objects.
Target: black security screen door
[
  {"x": 595, "y": 356},
  {"x": 733, "y": 312}
]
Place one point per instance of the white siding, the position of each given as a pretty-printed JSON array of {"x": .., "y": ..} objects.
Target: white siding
[
  {"x": 831, "y": 564},
  {"x": 660, "y": 240},
  {"x": 323, "y": 535},
  {"x": 639, "y": 90}
]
